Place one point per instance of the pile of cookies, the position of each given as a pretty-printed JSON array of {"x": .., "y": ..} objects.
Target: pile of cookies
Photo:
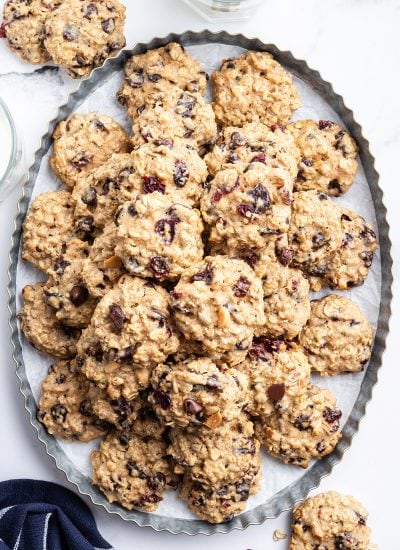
[
  {"x": 78, "y": 35},
  {"x": 179, "y": 263}
]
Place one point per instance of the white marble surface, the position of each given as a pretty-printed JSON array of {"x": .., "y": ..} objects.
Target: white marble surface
[{"x": 354, "y": 44}]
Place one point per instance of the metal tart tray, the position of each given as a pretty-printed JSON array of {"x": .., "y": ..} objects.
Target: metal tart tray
[{"x": 284, "y": 497}]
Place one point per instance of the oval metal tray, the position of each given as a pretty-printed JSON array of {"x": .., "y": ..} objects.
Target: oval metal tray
[{"x": 287, "y": 497}]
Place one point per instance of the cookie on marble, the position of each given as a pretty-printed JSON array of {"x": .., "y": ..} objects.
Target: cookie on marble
[
  {"x": 254, "y": 142},
  {"x": 328, "y": 157},
  {"x": 41, "y": 327},
  {"x": 63, "y": 405},
  {"x": 288, "y": 309},
  {"x": 48, "y": 225},
  {"x": 216, "y": 457},
  {"x": 132, "y": 323},
  {"x": 253, "y": 87},
  {"x": 222, "y": 504},
  {"x": 132, "y": 471},
  {"x": 82, "y": 35},
  {"x": 350, "y": 264},
  {"x": 171, "y": 112},
  {"x": 337, "y": 337},
  {"x": 24, "y": 28},
  {"x": 315, "y": 231},
  {"x": 218, "y": 303},
  {"x": 195, "y": 392},
  {"x": 83, "y": 142},
  {"x": 330, "y": 520},
  {"x": 308, "y": 429},
  {"x": 158, "y": 237},
  {"x": 244, "y": 207},
  {"x": 68, "y": 293},
  {"x": 277, "y": 371},
  {"x": 144, "y": 73}
]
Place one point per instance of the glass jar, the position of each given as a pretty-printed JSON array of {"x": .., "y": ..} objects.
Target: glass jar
[
  {"x": 12, "y": 166},
  {"x": 225, "y": 10}
]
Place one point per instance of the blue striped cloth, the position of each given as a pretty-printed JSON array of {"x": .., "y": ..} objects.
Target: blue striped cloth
[{"x": 38, "y": 515}]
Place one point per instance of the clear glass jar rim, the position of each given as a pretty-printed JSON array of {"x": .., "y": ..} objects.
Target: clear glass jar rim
[{"x": 13, "y": 155}]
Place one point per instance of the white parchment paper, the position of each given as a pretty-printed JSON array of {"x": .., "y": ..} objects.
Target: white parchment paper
[{"x": 276, "y": 474}]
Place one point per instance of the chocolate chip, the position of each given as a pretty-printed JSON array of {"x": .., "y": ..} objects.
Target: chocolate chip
[
  {"x": 167, "y": 142},
  {"x": 345, "y": 217},
  {"x": 60, "y": 265},
  {"x": 108, "y": 25},
  {"x": 261, "y": 197},
  {"x": 70, "y": 33},
  {"x": 78, "y": 295},
  {"x": 285, "y": 255},
  {"x": 117, "y": 316},
  {"x": 85, "y": 224},
  {"x": 60, "y": 379},
  {"x": 206, "y": 275},
  {"x": 154, "y": 77},
  {"x": 334, "y": 185},
  {"x": 307, "y": 162},
  {"x": 122, "y": 406},
  {"x": 332, "y": 415},
  {"x": 367, "y": 234},
  {"x": 302, "y": 422},
  {"x": 346, "y": 541},
  {"x": 58, "y": 413},
  {"x": 185, "y": 105},
  {"x": 81, "y": 60},
  {"x": 162, "y": 399},
  {"x": 90, "y": 10},
  {"x": 264, "y": 345},
  {"x": 85, "y": 407},
  {"x": 152, "y": 184},
  {"x": 192, "y": 407},
  {"x": 81, "y": 159},
  {"x": 241, "y": 287},
  {"x": 157, "y": 481},
  {"x": 158, "y": 266},
  {"x": 367, "y": 258},
  {"x": 276, "y": 391},
  {"x": 318, "y": 240},
  {"x": 136, "y": 79},
  {"x": 181, "y": 173},
  {"x": 324, "y": 124},
  {"x": 98, "y": 124}
]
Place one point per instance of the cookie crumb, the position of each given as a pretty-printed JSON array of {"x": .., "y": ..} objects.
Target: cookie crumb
[{"x": 279, "y": 535}]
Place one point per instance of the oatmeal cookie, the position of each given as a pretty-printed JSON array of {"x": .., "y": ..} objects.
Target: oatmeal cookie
[
  {"x": 253, "y": 87},
  {"x": 67, "y": 291},
  {"x": 132, "y": 471},
  {"x": 328, "y": 157},
  {"x": 197, "y": 392},
  {"x": 337, "y": 337},
  {"x": 288, "y": 309},
  {"x": 24, "y": 28},
  {"x": 278, "y": 371},
  {"x": 170, "y": 112},
  {"x": 84, "y": 142},
  {"x": 219, "y": 304},
  {"x": 63, "y": 406},
  {"x": 132, "y": 323},
  {"x": 330, "y": 520},
  {"x": 349, "y": 265},
  {"x": 145, "y": 73},
  {"x": 315, "y": 230},
  {"x": 42, "y": 328},
  {"x": 308, "y": 429},
  {"x": 81, "y": 35},
  {"x": 48, "y": 225},
  {"x": 254, "y": 142},
  {"x": 222, "y": 504},
  {"x": 158, "y": 237},
  {"x": 171, "y": 166},
  {"x": 219, "y": 457},
  {"x": 244, "y": 207}
]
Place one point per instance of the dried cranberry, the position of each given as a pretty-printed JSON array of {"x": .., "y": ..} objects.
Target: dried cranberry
[
  {"x": 122, "y": 406},
  {"x": 276, "y": 391},
  {"x": 117, "y": 316},
  {"x": 259, "y": 158},
  {"x": 136, "y": 80},
  {"x": 152, "y": 184},
  {"x": 185, "y": 105},
  {"x": 78, "y": 295},
  {"x": 367, "y": 234},
  {"x": 285, "y": 255},
  {"x": 85, "y": 224},
  {"x": 346, "y": 541},
  {"x": 192, "y": 407},
  {"x": 249, "y": 256},
  {"x": 90, "y": 10},
  {"x": 81, "y": 60},
  {"x": 306, "y": 162},
  {"x": 237, "y": 140},
  {"x": 158, "y": 266},
  {"x": 263, "y": 345},
  {"x": 245, "y": 210},
  {"x": 81, "y": 159},
  {"x": 367, "y": 258},
  {"x": 332, "y": 415},
  {"x": 60, "y": 379},
  {"x": 60, "y": 265},
  {"x": 324, "y": 124},
  {"x": 156, "y": 481},
  {"x": 318, "y": 240},
  {"x": 98, "y": 124},
  {"x": 153, "y": 498},
  {"x": 154, "y": 77},
  {"x": 243, "y": 490},
  {"x": 302, "y": 422},
  {"x": 241, "y": 287},
  {"x": 206, "y": 275},
  {"x": 59, "y": 413},
  {"x": 162, "y": 399},
  {"x": 108, "y": 25},
  {"x": 181, "y": 173},
  {"x": 70, "y": 33},
  {"x": 167, "y": 142},
  {"x": 166, "y": 229},
  {"x": 3, "y": 32}
]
